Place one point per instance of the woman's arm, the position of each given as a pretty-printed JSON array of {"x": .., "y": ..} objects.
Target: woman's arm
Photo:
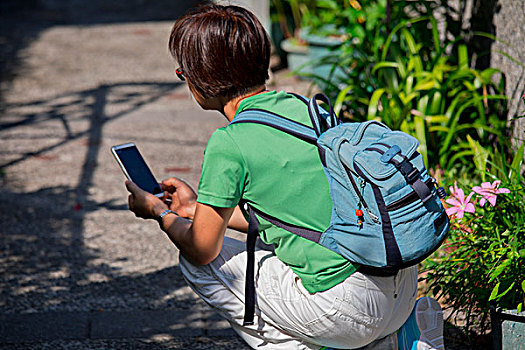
[
  {"x": 199, "y": 241},
  {"x": 237, "y": 221}
]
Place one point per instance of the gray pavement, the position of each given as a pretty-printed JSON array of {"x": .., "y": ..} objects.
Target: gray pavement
[{"x": 78, "y": 270}]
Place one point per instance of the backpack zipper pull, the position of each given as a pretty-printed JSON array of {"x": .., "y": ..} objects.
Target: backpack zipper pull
[
  {"x": 359, "y": 214},
  {"x": 362, "y": 184},
  {"x": 374, "y": 217}
]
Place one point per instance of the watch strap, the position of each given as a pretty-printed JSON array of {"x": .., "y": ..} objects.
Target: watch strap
[{"x": 164, "y": 213}]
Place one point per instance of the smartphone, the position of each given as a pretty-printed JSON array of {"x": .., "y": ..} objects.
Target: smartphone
[{"x": 135, "y": 168}]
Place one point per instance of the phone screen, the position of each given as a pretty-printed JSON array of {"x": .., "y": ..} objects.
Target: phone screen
[{"x": 137, "y": 169}]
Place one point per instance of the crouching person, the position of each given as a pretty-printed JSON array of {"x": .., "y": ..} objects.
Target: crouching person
[{"x": 306, "y": 296}]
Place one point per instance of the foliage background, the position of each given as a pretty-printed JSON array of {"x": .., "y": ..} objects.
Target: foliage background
[{"x": 425, "y": 68}]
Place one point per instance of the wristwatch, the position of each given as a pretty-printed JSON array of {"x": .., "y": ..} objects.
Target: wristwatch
[{"x": 164, "y": 213}]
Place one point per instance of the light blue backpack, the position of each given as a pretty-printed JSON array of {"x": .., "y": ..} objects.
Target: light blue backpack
[{"x": 387, "y": 213}]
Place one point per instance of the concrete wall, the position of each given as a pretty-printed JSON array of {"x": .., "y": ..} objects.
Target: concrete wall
[
  {"x": 504, "y": 19},
  {"x": 509, "y": 22},
  {"x": 261, "y": 8}
]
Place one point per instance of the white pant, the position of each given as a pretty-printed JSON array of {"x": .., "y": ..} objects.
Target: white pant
[{"x": 354, "y": 313}]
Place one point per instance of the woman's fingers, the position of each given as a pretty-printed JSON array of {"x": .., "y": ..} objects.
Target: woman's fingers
[
  {"x": 170, "y": 184},
  {"x": 132, "y": 187},
  {"x": 142, "y": 203}
]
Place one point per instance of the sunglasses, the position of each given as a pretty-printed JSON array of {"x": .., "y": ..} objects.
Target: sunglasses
[{"x": 179, "y": 74}]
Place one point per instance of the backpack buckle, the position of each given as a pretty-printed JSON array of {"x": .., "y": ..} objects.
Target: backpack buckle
[{"x": 410, "y": 173}]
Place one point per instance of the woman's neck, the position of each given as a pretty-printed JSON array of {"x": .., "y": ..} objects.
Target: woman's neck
[{"x": 231, "y": 107}]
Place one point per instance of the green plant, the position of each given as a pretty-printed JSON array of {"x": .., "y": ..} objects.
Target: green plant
[
  {"x": 342, "y": 18},
  {"x": 439, "y": 99},
  {"x": 336, "y": 17},
  {"x": 363, "y": 27},
  {"x": 422, "y": 90},
  {"x": 482, "y": 262}
]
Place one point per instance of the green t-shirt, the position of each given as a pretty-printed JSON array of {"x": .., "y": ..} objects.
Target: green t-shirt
[{"x": 281, "y": 176}]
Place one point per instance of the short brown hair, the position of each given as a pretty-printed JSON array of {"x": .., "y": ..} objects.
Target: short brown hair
[{"x": 222, "y": 50}]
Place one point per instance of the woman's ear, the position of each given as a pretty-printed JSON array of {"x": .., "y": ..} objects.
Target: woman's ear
[{"x": 215, "y": 103}]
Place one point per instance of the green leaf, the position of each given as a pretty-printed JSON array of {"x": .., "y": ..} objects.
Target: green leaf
[
  {"x": 436, "y": 118},
  {"x": 425, "y": 85},
  {"x": 435, "y": 34},
  {"x": 341, "y": 97},
  {"x": 463, "y": 57},
  {"x": 412, "y": 47},
  {"x": 374, "y": 102},
  {"x": 499, "y": 270},
  {"x": 519, "y": 63},
  {"x": 507, "y": 290},
  {"x": 385, "y": 64},
  {"x": 494, "y": 293},
  {"x": 520, "y": 307},
  {"x": 455, "y": 119},
  {"x": 523, "y": 286},
  {"x": 458, "y": 155},
  {"x": 481, "y": 156},
  {"x": 435, "y": 105},
  {"x": 394, "y": 31},
  {"x": 419, "y": 124},
  {"x": 515, "y": 167},
  {"x": 438, "y": 128},
  {"x": 486, "y": 75},
  {"x": 401, "y": 68},
  {"x": 406, "y": 99}
]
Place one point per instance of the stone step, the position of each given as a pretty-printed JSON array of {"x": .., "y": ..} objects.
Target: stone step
[{"x": 49, "y": 326}]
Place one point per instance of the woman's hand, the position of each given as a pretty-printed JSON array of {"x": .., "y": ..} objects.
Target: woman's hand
[
  {"x": 144, "y": 204},
  {"x": 183, "y": 198}
]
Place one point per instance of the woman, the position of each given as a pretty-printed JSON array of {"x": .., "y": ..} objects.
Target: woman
[{"x": 307, "y": 296}]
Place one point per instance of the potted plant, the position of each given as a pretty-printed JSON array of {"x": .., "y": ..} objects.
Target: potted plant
[
  {"x": 319, "y": 28},
  {"x": 508, "y": 328},
  {"x": 289, "y": 17}
]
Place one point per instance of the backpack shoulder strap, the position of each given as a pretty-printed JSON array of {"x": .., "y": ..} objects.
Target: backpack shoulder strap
[
  {"x": 260, "y": 116},
  {"x": 253, "y": 232}
]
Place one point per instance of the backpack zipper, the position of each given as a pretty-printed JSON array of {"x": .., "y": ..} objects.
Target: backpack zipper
[
  {"x": 406, "y": 200},
  {"x": 361, "y": 199}
]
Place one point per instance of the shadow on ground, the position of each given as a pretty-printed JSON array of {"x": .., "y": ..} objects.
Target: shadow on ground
[
  {"x": 43, "y": 257},
  {"x": 76, "y": 106},
  {"x": 21, "y": 21}
]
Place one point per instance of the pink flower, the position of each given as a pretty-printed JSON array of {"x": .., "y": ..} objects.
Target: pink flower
[
  {"x": 459, "y": 203},
  {"x": 489, "y": 192}
]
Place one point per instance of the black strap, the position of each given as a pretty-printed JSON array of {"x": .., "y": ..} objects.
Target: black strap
[
  {"x": 249, "y": 283},
  {"x": 333, "y": 117},
  {"x": 315, "y": 115},
  {"x": 413, "y": 177},
  {"x": 253, "y": 231},
  {"x": 411, "y": 174},
  {"x": 311, "y": 235}
]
